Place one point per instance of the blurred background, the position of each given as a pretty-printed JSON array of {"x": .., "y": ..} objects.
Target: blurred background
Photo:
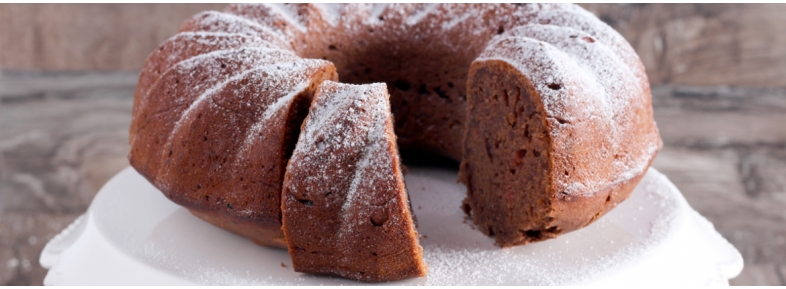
[{"x": 718, "y": 74}]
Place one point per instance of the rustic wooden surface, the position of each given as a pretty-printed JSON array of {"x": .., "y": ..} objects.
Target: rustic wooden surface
[
  {"x": 62, "y": 135},
  {"x": 732, "y": 44},
  {"x": 707, "y": 44},
  {"x": 87, "y": 36}
]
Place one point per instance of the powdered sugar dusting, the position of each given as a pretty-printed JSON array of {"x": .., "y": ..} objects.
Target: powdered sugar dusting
[
  {"x": 275, "y": 71},
  {"x": 637, "y": 232},
  {"x": 351, "y": 118},
  {"x": 375, "y": 138},
  {"x": 545, "y": 65},
  {"x": 331, "y": 12},
  {"x": 617, "y": 92},
  {"x": 455, "y": 21},
  {"x": 289, "y": 12},
  {"x": 579, "y": 80},
  {"x": 461, "y": 256},
  {"x": 186, "y": 45},
  {"x": 584, "y": 21},
  {"x": 343, "y": 169},
  {"x": 269, "y": 112},
  {"x": 345, "y": 104},
  {"x": 603, "y": 77},
  {"x": 204, "y": 96},
  {"x": 421, "y": 13},
  {"x": 184, "y": 82},
  {"x": 376, "y": 11},
  {"x": 214, "y": 65},
  {"x": 224, "y": 22},
  {"x": 587, "y": 87},
  {"x": 355, "y": 104}
]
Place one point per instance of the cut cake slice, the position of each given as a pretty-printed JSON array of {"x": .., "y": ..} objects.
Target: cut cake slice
[{"x": 345, "y": 208}]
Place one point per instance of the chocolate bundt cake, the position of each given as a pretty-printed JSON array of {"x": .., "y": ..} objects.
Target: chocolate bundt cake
[
  {"x": 345, "y": 208},
  {"x": 547, "y": 108}
]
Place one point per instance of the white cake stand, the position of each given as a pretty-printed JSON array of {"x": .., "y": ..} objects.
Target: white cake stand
[{"x": 133, "y": 235}]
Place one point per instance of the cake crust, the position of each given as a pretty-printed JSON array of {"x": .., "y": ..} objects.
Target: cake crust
[
  {"x": 345, "y": 207},
  {"x": 534, "y": 92},
  {"x": 224, "y": 150}
]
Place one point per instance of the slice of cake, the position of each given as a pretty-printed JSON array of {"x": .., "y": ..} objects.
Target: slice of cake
[
  {"x": 345, "y": 208},
  {"x": 559, "y": 132}
]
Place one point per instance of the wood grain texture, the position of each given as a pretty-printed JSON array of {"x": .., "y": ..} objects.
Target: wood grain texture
[
  {"x": 87, "y": 36},
  {"x": 725, "y": 149},
  {"x": 720, "y": 116},
  {"x": 708, "y": 44},
  {"x": 63, "y": 135}
]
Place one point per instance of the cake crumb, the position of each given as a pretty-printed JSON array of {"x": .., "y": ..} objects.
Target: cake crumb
[{"x": 283, "y": 265}]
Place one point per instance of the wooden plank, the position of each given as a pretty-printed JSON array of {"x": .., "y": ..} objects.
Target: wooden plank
[
  {"x": 709, "y": 44},
  {"x": 720, "y": 116},
  {"x": 87, "y": 36},
  {"x": 62, "y": 136},
  {"x": 60, "y": 148},
  {"x": 22, "y": 238},
  {"x": 727, "y": 186},
  {"x": 37, "y": 85},
  {"x": 704, "y": 177}
]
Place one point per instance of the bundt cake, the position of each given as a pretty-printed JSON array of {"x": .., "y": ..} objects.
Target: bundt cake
[
  {"x": 345, "y": 208},
  {"x": 547, "y": 109}
]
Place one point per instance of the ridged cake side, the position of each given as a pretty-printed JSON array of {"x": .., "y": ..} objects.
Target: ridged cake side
[
  {"x": 346, "y": 209},
  {"x": 218, "y": 130}
]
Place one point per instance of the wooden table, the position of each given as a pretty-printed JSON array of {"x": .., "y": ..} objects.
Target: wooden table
[{"x": 62, "y": 135}]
